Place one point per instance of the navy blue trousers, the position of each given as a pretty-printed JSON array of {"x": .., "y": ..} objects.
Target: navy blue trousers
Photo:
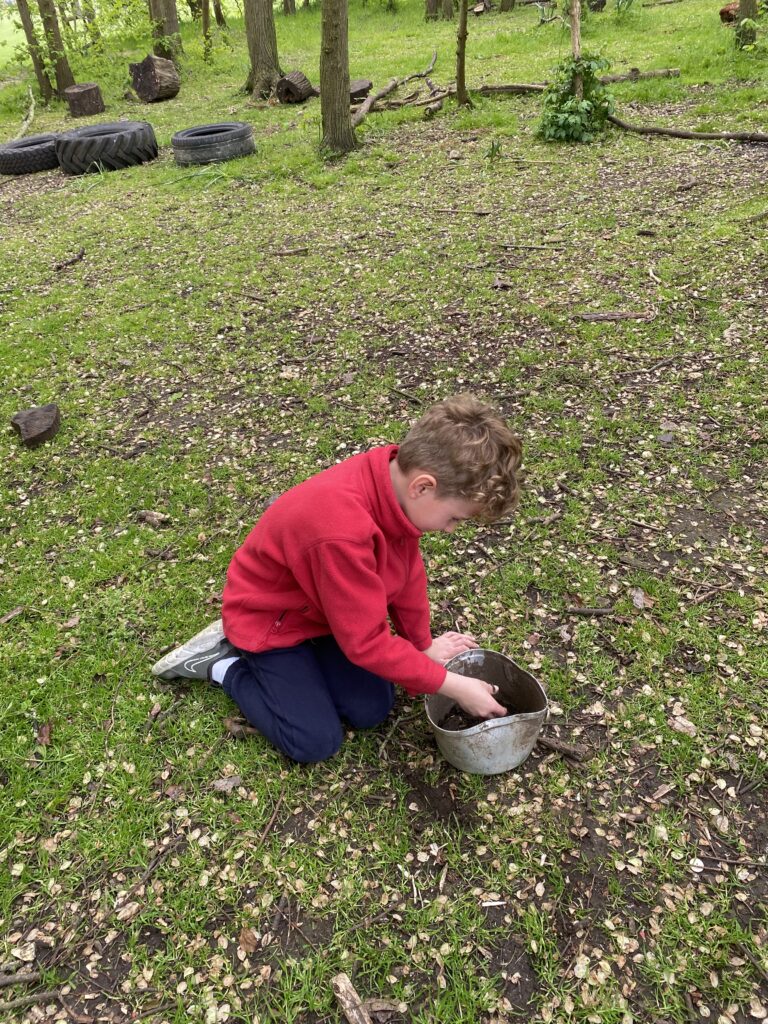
[{"x": 298, "y": 696}]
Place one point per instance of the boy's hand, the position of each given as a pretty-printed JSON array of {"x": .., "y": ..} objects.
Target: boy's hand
[
  {"x": 447, "y": 646},
  {"x": 474, "y": 695}
]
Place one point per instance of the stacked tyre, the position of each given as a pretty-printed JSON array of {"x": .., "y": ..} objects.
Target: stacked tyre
[
  {"x": 213, "y": 143},
  {"x": 108, "y": 147}
]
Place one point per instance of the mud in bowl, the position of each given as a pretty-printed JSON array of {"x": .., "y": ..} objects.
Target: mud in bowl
[{"x": 498, "y": 744}]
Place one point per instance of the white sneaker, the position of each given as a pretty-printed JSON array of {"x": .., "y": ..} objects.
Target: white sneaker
[{"x": 194, "y": 659}]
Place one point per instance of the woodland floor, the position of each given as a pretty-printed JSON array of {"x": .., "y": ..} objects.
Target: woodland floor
[{"x": 222, "y": 337}]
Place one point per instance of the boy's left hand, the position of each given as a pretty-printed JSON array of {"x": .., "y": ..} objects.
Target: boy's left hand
[{"x": 447, "y": 646}]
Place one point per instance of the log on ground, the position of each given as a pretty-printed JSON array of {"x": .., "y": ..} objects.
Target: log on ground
[
  {"x": 155, "y": 79},
  {"x": 294, "y": 87}
]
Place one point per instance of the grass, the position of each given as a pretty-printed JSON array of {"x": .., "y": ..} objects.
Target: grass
[{"x": 201, "y": 367}]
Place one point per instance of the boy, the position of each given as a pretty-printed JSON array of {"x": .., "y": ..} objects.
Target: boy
[{"x": 305, "y": 639}]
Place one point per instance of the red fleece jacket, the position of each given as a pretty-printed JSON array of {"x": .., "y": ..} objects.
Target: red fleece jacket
[{"x": 337, "y": 555}]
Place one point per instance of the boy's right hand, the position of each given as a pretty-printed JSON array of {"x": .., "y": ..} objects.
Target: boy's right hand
[{"x": 475, "y": 696}]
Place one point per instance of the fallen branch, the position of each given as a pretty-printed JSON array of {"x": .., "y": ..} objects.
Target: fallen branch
[
  {"x": 29, "y": 116},
  {"x": 612, "y": 316},
  {"x": 676, "y": 133},
  {"x": 661, "y": 3},
  {"x": 634, "y": 75},
  {"x": 350, "y": 1002},
  {"x": 364, "y": 109},
  {"x": 589, "y": 613}
]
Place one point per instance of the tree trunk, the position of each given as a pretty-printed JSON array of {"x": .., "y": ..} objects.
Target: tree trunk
[
  {"x": 746, "y": 34},
  {"x": 207, "y": 44},
  {"x": 43, "y": 81},
  {"x": 218, "y": 14},
  {"x": 165, "y": 28},
  {"x": 289, "y": 6},
  {"x": 91, "y": 25},
  {"x": 462, "y": 96},
  {"x": 430, "y": 10},
  {"x": 338, "y": 133},
  {"x": 447, "y": 10},
  {"x": 195, "y": 8},
  {"x": 294, "y": 87},
  {"x": 262, "y": 48},
  {"x": 58, "y": 57},
  {"x": 507, "y": 5},
  {"x": 578, "y": 85}
]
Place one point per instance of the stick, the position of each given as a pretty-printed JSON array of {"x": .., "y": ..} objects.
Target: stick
[
  {"x": 676, "y": 133},
  {"x": 349, "y": 1001},
  {"x": 421, "y": 74},
  {"x": 19, "y": 979},
  {"x": 29, "y": 116},
  {"x": 611, "y": 316},
  {"x": 41, "y": 997},
  {"x": 69, "y": 262},
  {"x": 575, "y": 753}
]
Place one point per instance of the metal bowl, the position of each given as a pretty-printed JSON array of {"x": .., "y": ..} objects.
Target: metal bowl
[{"x": 498, "y": 744}]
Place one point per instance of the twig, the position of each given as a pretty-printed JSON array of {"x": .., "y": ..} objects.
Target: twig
[
  {"x": 617, "y": 315},
  {"x": 753, "y": 959},
  {"x": 271, "y": 821},
  {"x": 422, "y": 74},
  {"x": 406, "y": 394},
  {"x": 549, "y": 247},
  {"x": 29, "y": 117},
  {"x": 634, "y": 75},
  {"x": 19, "y": 979},
  {"x": 297, "y": 927},
  {"x": 589, "y": 612},
  {"x": 711, "y": 593}
]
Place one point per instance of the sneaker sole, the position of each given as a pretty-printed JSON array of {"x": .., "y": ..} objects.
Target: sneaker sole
[{"x": 191, "y": 651}]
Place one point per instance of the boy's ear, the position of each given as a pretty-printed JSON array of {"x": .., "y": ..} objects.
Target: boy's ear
[{"x": 420, "y": 484}]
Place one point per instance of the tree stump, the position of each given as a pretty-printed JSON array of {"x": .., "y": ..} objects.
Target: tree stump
[
  {"x": 359, "y": 89},
  {"x": 155, "y": 78},
  {"x": 84, "y": 99},
  {"x": 37, "y": 424},
  {"x": 294, "y": 87}
]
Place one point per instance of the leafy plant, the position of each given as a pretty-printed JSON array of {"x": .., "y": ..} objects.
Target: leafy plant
[
  {"x": 573, "y": 114},
  {"x": 623, "y": 7}
]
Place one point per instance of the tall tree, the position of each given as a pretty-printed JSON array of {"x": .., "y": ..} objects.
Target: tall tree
[
  {"x": 746, "y": 33},
  {"x": 218, "y": 13},
  {"x": 165, "y": 28},
  {"x": 55, "y": 46},
  {"x": 207, "y": 41},
  {"x": 462, "y": 96},
  {"x": 262, "y": 47},
  {"x": 447, "y": 10},
  {"x": 289, "y": 6},
  {"x": 36, "y": 54},
  {"x": 430, "y": 10},
  {"x": 338, "y": 133},
  {"x": 578, "y": 84}
]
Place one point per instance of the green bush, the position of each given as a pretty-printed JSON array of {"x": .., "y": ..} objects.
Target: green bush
[{"x": 569, "y": 117}]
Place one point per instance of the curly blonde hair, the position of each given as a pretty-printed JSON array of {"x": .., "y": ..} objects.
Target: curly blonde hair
[{"x": 470, "y": 451}]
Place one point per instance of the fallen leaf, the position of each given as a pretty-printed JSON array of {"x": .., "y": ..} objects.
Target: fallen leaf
[
  {"x": 501, "y": 285},
  {"x": 683, "y": 725},
  {"x": 71, "y": 623},
  {"x": 239, "y": 729},
  {"x": 43, "y": 738},
  {"x": 174, "y": 792},
  {"x": 154, "y": 519},
  {"x": 227, "y": 784},
  {"x": 640, "y": 599},
  {"x": 128, "y": 912},
  {"x": 247, "y": 940},
  {"x": 156, "y": 709},
  {"x": 25, "y": 953}
]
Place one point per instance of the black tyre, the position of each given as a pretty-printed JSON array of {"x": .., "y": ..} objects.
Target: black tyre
[
  {"x": 27, "y": 156},
  {"x": 211, "y": 143},
  {"x": 109, "y": 146}
]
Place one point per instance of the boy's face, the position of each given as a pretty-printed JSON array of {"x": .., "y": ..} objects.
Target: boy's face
[{"x": 430, "y": 513}]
